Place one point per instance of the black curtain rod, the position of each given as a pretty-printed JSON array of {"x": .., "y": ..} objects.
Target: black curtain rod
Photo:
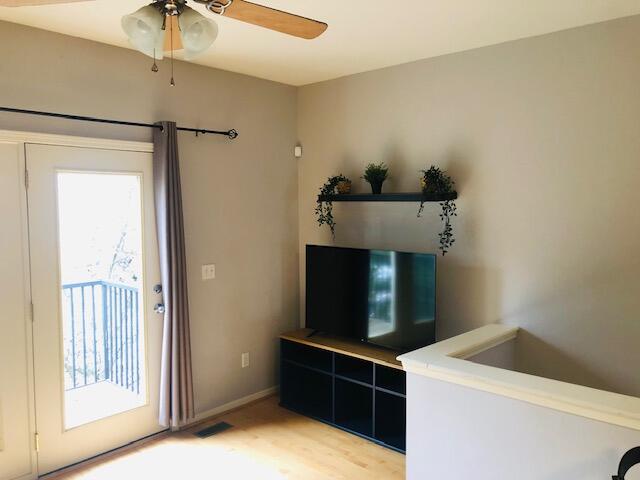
[{"x": 230, "y": 133}]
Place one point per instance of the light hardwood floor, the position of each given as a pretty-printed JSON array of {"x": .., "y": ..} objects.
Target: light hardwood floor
[{"x": 266, "y": 442}]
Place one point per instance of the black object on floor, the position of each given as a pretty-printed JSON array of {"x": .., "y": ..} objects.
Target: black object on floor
[{"x": 213, "y": 429}]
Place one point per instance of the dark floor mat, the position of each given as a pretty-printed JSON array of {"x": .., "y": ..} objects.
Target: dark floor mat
[{"x": 213, "y": 429}]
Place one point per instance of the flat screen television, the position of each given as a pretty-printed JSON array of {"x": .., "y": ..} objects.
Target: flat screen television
[{"x": 381, "y": 297}]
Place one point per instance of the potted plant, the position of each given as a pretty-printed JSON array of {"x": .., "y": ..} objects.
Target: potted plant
[
  {"x": 324, "y": 208},
  {"x": 344, "y": 186},
  {"x": 376, "y": 174},
  {"x": 433, "y": 182}
]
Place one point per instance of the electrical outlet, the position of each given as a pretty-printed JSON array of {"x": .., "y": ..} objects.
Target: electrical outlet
[
  {"x": 208, "y": 272},
  {"x": 245, "y": 360}
]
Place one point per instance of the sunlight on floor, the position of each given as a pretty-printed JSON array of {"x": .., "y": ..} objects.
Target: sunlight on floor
[
  {"x": 266, "y": 442},
  {"x": 177, "y": 460}
]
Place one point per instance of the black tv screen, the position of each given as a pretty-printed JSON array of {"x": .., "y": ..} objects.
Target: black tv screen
[{"x": 377, "y": 296}]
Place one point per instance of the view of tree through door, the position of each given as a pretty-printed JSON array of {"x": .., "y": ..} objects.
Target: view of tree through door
[{"x": 100, "y": 230}]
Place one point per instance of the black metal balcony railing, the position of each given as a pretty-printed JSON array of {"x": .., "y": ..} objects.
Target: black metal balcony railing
[{"x": 102, "y": 335}]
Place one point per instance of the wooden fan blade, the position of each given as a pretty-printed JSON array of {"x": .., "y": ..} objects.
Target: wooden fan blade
[
  {"x": 32, "y": 3},
  {"x": 275, "y": 19}
]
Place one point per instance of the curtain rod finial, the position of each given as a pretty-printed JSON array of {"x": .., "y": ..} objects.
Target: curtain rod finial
[{"x": 233, "y": 134}]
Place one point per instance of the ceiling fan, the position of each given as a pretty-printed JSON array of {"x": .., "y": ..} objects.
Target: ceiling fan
[{"x": 170, "y": 25}]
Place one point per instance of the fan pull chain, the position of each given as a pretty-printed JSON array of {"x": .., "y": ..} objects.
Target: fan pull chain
[
  {"x": 154, "y": 67},
  {"x": 173, "y": 83}
]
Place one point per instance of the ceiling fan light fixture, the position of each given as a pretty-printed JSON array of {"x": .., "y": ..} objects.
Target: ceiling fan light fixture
[
  {"x": 144, "y": 29},
  {"x": 198, "y": 32}
]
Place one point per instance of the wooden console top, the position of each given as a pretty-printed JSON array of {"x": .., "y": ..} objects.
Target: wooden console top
[{"x": 372, "y": 353}]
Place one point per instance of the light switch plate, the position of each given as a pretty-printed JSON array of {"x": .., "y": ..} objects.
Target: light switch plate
[
  {"x": 245, "y": 360},
  {"x": 208, "y": 272}
]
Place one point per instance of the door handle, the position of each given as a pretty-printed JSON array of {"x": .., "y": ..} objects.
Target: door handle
[
  {"x": 159, "y": 308},
  {"x": 157, "y": 288}
]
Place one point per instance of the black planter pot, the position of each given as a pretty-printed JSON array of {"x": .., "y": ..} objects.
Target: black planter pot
[{"x": 376, "y": 187}]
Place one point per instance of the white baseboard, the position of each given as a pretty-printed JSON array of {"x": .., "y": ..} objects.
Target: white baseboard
[{"x": 230, "y": 406}]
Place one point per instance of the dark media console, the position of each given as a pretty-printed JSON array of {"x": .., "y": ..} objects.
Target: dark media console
[{"x": 356, "y": 387}]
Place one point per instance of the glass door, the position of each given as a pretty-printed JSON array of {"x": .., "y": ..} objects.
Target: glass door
[
  {"x": 94, "y": 265},
  {"x": 100, "y": 243}
]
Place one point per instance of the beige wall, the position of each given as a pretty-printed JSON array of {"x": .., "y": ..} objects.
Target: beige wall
[
  {"x": 542, "y": 136},
  {"x": 239, "y": 197}
]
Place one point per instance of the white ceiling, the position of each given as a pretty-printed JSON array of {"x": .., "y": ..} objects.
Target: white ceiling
[{"x": 363, "y": 34}]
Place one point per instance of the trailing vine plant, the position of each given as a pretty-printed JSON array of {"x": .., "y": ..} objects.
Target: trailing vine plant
[
  {"x": 447, "y": 239},
  {"x": 434, "y": 182},
  {"x": 324, "y": 208}
]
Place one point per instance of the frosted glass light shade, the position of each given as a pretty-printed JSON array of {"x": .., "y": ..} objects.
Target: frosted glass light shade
[
  {"x": 144, "y": 29},
  {"x": 198, "y": 32}
]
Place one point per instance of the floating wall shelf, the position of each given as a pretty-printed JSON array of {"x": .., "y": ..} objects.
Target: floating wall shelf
[{"x": 388, "y": 197}]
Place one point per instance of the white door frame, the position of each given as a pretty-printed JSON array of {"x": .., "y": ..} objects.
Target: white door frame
[
  {"x": 21, "y": 138},
  {"x": 11, "y": 136}
]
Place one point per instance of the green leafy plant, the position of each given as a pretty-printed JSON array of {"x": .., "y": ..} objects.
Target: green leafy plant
[
  {"x": 435, "y": 181},
  {"x": 324, "y": 208},
  {"x": 376, "y": 174},
  {"x": 447, "y": 238}
]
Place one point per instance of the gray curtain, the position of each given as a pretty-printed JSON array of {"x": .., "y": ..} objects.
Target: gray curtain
[{"x": 176, "y": 382}]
